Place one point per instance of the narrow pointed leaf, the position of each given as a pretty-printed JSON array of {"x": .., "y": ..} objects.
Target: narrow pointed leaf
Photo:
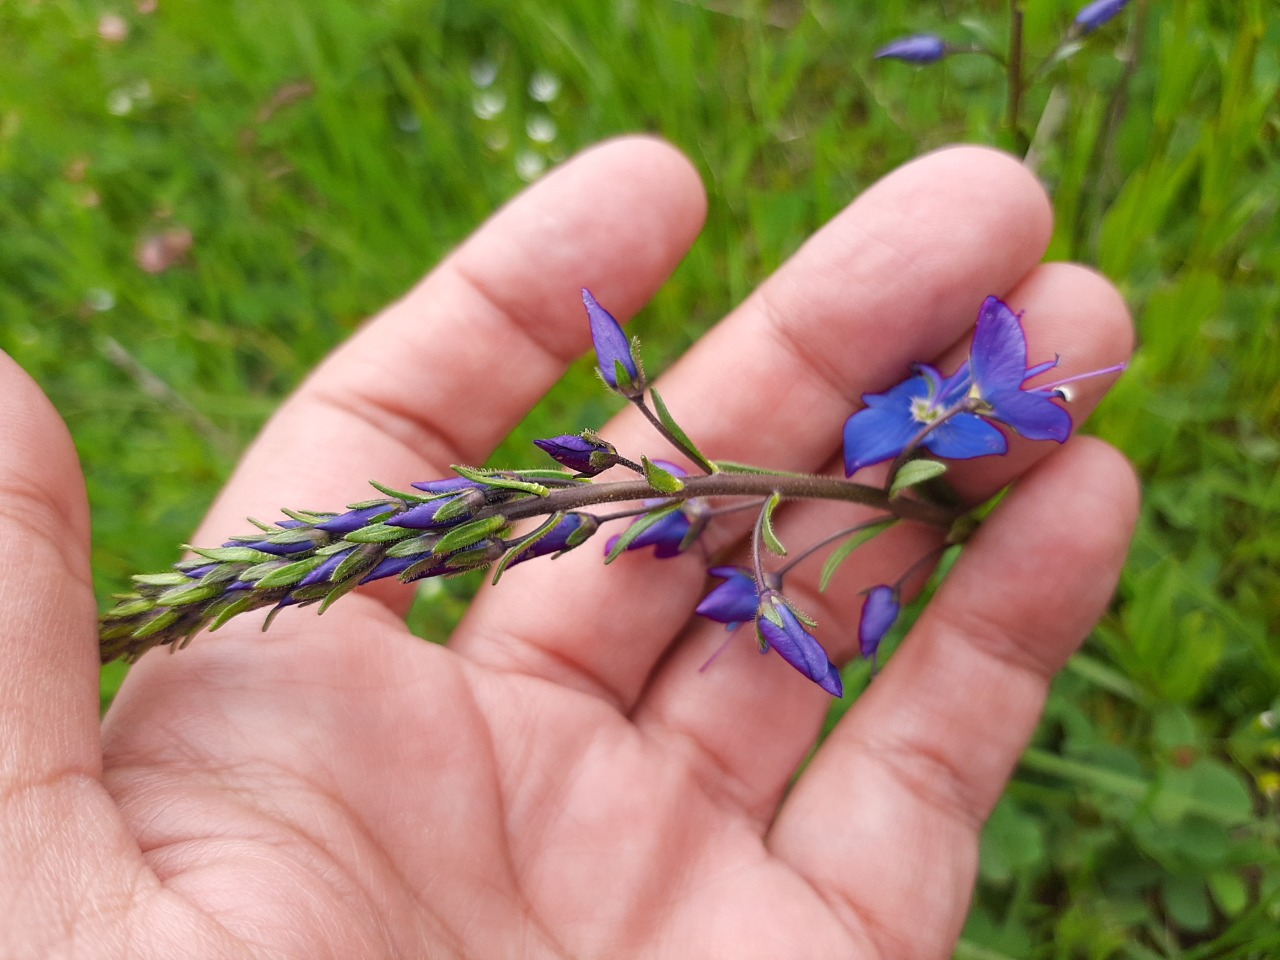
[
  {"x": 842, "y": 552},
  {"x": 766, "y": 527},
  {"x": 468, "y": 533},
  {"x": 668, "y": 421},
  {"x": 915, "y": 472},
  {"x": 640, "y": 526},
  {"x": 490, "y": 479}
]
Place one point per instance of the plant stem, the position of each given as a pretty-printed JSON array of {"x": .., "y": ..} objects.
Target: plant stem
[{"x": 1013, "y": 66}]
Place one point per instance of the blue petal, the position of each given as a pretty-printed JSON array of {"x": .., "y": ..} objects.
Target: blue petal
[
  {"x": 964, "y": 437},
  {"x": 923, "y": 48},
  {"x": 734, "y": 600},
  {"x": 885, "y": 426},
  {"x": 800, "y": 649},
  {"x": 998, "y": 357},
  {"x": 1033, "y": 415},
  {"x": 879, "y": 613}
]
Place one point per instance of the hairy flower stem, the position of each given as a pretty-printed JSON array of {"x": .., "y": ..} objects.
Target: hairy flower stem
[{"x": 792, "y": 486}]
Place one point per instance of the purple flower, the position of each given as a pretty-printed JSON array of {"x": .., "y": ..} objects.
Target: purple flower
[
  {"x": 1095, "y": 14},
  {"x": 922, "y": 48},
  {"x": 448, "y": 485},
  {"x": 948, "y": 416},
  {"x": 422, "y": 516},
  {"x": 612, "y": 346},
  {"x": 879, "y": 613},
  {"x": 733, "y": 601},
  {"x": 326, "y": 569},
  {"x": 781, "y": 629},
  {"x": 579, "y": 453},
  {"x": 890, "y": 421}
]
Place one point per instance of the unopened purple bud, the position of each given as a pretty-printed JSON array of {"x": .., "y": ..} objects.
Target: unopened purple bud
[
  {"x": 1095, "y": 14},
  {"x": 322, "y": 573},
  {"x": 422, "y": 516},
  {"x": 353, "y": 520},
  {"x": 612, "y": 346},
  {"x": 389, "y": 567},
  {"x": 275, "y": 549},
  {"x": 922, "y": 48},
  {"x": 448, "y": 485},
  {"x": 733, "y": 601},
  {"x": 879, "y": 613},
  {"x": 574, "y": 527},
  {"x": 580, "y": 454},
  {"x": 781, "y": 629},
  {"x": 666, "y": 536}
]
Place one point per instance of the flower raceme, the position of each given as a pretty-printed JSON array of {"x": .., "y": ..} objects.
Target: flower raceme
[{"x": 953, "y": 417}]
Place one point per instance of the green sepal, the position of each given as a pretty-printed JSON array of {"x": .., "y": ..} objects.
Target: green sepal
[
  {"x": 689, "y": 447},
  {"x": 461, "y": 537},
  {"x": 455, "y": 509},
  {"x": 769, "y": 611},
  {"x": 231, "y": 554},
  {"x": 260, "y": 570},
  {"x": 490, "y": 479},
  {"x": 913, "y": 473},
  {"x": 358, "y": 560},
  {"x": 420, "y": 544},
  {"x": 338, "y": 591},
  {"x": 405, "y": 495},
  {"x": 391, "y": 505},
  {"x": 622, "y": 377},
  {"x": 307, "y": 516},
  {"x": 561, "y": 477},
  {"x": 733, "y": 466},
  {"x": 842, "y": 552},
  {"x": 234, "y": 607},
  {"x": 379, "y": 533},
  {"x": 170, "y": 578},
  {"x": 280, "y": 535},
  {"x": 640, "y": 526},
  {"x": 182, "y": 596},
  {"x": 524, "y": 543},
  {"x": 158, "y": 624},
  {"x": 663, "y": 481},
  {"x": 130, "y": 608},
  {"x": 289, "y": 574},
  {"x": 767, "y": 533},
  {"x": 586, "y": 530}
]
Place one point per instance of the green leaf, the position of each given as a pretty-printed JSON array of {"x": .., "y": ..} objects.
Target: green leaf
[
  {"x": 638, "y": 527},
  {"x": 407, "y": 548},
  {"x": 405, "y": 495},
  {"x": 663, "y": 481},
  {"x": 168, "y": 579},
  {"x": 524, "y": 544},
  {"x": 158, "y": 624},
  {"x": 915, "y": 472},
  {"x": 357, "y": 560},
  {"x": 226, "y": 611},
  {"x": 842, "y": 552},
  {"x": 767, "y": 533},
  {"x": 689, "y": 447}
]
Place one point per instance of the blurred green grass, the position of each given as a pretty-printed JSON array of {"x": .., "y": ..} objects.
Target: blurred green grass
[{"x": 324, "y": 154}]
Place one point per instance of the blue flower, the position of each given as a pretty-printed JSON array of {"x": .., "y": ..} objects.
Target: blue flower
[
  {"x": 879, "y": 613},
  {"x": 582, "y": 454},
  {"x": 948, "y": 417},
  {"x": 1095, "y": 14},
  {"x": 735, "y": 600},
  {"x": 352, "y": 520},
  {"x": 998, "y": 368},
  {"x": 923, "y": 48},
  {"x": 780, "y": 628},
  {"x": 612, "y": 346}
]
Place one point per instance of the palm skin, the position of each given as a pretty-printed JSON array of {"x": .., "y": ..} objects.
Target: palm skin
[{"x": 562, "y": 780}]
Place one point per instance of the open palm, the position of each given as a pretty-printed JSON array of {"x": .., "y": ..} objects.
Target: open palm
[{"x": 562, "y": 780}]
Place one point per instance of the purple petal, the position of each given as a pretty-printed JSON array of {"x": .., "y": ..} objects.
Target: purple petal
[
  {"x": 923, "y": 48},
  {"x": 421, "y": 516},
  {"x": 879, "y": 613},
  {"x": 964, "y": 437},
  {"x": 998, "y": 357},
  {"x": 352, "y": 519},
  {"x": 389, "y": 567},
  {"x": 322, "y": 573},
  {"x": 610, "y": 342},
  {"x": 1095, "y": 14},
  {"x": 1034, "y": 415},
  {"x": 885, "y": 426},
  {"x": 800, "y": 649},
  {"x": 448, "y": 485},
  {"x": 733, "y": 601}
]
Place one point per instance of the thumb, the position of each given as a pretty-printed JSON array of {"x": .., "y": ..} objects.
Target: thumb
[{"x": 48, "y": 644}]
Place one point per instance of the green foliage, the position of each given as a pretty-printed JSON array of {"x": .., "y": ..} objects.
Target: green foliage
[{"x": 324, "y": 154}]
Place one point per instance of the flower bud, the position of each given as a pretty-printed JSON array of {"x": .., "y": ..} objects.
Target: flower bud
[
  {"x": 780, "y": 628},
  {"x": 582, "y": 453},
  {"x": 613, "y": 350},
  {"x": 922, "y": 48},
  {"x": 733, "y": 601},
  {"x": 1095, "y": 14},
  {"x": 879, "y": 613}
]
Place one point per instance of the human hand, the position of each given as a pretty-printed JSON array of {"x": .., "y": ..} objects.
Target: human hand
[{"x": 561, "y": 780}]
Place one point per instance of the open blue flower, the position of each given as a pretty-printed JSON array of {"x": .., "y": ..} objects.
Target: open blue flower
[
  {"x": 1095, "y": 14},
  {"x": 949, "y": 416},
  {"x": 780, "y": 628}
]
